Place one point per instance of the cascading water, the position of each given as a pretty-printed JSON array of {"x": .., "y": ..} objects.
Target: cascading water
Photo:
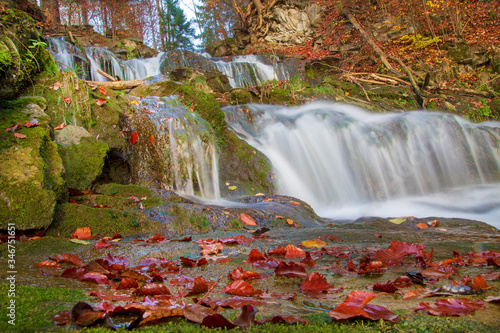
[
  {"x": 251, "y": 70},
  {"x": 176, "y": 148},
  {"x": 94, "y": 58},
  {"x": 349, "y": 163}
]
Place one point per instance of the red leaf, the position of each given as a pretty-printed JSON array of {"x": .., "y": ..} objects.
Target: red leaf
[
  {"x": 418, "y": 293},
  {"x": 48, "y": 263},
  {"x": 30, "y": 124},
  {"x": 315, "y": 282},
  {"x": 290, "y": 270},
  {"x": 255, "y": 255},
  {"x": 127, "y": 283},
  {"x": 103, "y": 90},
  {"x": 422, "y": 226},
  {"x": 134, "y": 137},
  {"x": 13, "y": 128},
  {"x": 69, "y": 258},
  {"x": 387, "y": 287},
  {"x": 73, "y": 272},
  {"x": 332, "y": 238},
  {"x": 294, "y": 252},
  {"x": 217, "y": 321},
  {"x": 241, "y": 288},
  {"x": 20, "y": 136},
  {"x": 152, "y": 289},
  {"x": 199, "y": 286},
  {"x": 269, "y": 263},
  {"x": 115, "y": 262},
  {"x": 240, "y": 274},
  {"x": 82, "y": 233},
  {"x": 247, "y": 219},
  {"x": 102, "y": 244},
  {"x": 280, "y": 250},
  {"x": 62, "y": 318},
  {"x": 100, "y": 101},
  {"x": 59, "y": 127},
  {"x": 83, "y": 314},
  {"x": 94, "y": 277},
  {"x": 479, "y": 283},
  {"x": 451, "y": 307},
  {"x": 185, "y": 239},
  {"x": 151, "y": 140},
  {"x": 356, "y": 305},
  {"x": 67, "y": 100},
  {"x": 193, "y": 263}
]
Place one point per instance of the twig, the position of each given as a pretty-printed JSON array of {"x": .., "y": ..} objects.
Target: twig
[
  {"x": 209, "y": 290},
  {"x": 355, "y": 81}
]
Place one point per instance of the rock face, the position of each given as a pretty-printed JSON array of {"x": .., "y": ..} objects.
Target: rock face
[
  {"x": 82, "y": 156},
  {"x": 31, "y": 174},
  {"x": 293, "y": 24}
]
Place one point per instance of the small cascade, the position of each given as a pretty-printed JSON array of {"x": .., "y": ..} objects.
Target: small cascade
[
  {"x": 175, "y": 147},
  {"x": 85, "y": 63},
  {"x": 347, "y": 163},
  {"x": 251, "y": 70}
]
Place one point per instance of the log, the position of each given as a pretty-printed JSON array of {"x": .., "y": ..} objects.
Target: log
[
  {"x": 117, "y": 85},
  {"x": 106, "y": 75}
]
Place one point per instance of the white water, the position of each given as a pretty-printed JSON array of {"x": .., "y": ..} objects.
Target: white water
[
  {"x": 183, "y": 142},
  {"x": 249, "y": 70},
  {"x": 348, "y": 163}
]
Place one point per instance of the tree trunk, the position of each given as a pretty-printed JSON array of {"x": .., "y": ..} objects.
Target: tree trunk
[{"x": 52, "y": 9}]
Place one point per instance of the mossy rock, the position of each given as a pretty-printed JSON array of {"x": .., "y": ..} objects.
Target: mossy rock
[
  {"x": 22, "y": 52},
  {"x": 83, "y": 162},
  {"x": 240, "y": 96},
  {"x": 31, "y": 173},
  {"x": 494, "y": 106},
  {"x": 103, "y": 221}
]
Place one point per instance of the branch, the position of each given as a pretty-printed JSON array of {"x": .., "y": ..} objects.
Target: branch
[{"x": 117, "y": 85}]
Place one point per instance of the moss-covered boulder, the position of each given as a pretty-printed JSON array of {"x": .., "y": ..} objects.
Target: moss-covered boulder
[
  {"x": 31, "y": 170},
  {"x": 22, "y": 52},
  {"x": 82, "y": 156}
]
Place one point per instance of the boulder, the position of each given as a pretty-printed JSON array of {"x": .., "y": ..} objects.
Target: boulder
[
  {"x": 82, "y": 155},
  {"x": 31, "y": 171}
]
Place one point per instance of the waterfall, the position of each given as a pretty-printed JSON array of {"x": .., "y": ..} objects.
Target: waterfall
[
  {"x": 251, "y": 70},
  {"x": 92, "y": 58},
  {"x": 176, "y": 147},
  {"x": 347, "y": 162}
]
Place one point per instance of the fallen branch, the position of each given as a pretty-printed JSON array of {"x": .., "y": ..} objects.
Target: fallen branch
[
  {"x": 106, "y": 75},
  {"x": 463, "y": 91},
  {"x": 117, "y": 85}
]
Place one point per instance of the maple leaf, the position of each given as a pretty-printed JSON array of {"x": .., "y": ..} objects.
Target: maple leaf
[
  {"x": 356, "y": 305},
  {"x": 290, "y": 270},
  {"x": 294, "y": 252},
  {"x": 82, "y": 233},
  {"x": 241, "y": 288}
]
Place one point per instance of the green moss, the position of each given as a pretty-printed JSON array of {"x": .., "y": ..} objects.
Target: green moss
[
  {"x": 188, "y": 222},
  {"x": 45, "y": 246},
  {"x": 5, "y": 57},
  {"x": 83, "y": 162},
  {"x": 35, "y": 307},
  {"x": 103, "y": 221},
  {"x": 125, "y": 190}
]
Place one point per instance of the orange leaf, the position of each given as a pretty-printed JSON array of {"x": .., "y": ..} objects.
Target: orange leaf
[
  {"x": 422, "y": 226},
  {"x": 289, "y": 221},
  {"x": 101, "y": 101},
  {"x": 247, "y": 219},
  {"x": 434, "y": 223},
  {"x": 294, "y": 252},
  {"x": 60, "y": 127},
  {"x": 20, "y": 136},
  {"x": 103, "y": 90},
  {"x": 67, "y": 100},
  {"x": 134, "y": 137},
  {"x": 82, "y": 233},
  {"x": 151, "y": 139}
]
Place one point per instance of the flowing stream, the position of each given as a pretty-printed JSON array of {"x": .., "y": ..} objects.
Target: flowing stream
[{"x": 349, "y": 163}]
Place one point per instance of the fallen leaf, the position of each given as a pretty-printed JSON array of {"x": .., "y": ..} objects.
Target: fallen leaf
[
  {"x": 67, "y": 100},
  {"x": 103, "y": 90},
  {"x": 151, "y": 140},
  {"x": 418, "y": 293},
  {"x": 82, "y": 233},
  {"x": 232, "y": 302},
  {"x": 240, "y": 274},
  {"x": 92, "y": 86},
  {"x": 273, "y": 295},
  {"x": 135, "y": 102},
  {"x": 315, "y": 282},
  {"x": 422, "y": 226},
  {"x": 152, "y": 289},
  {"x": 55, "y": 86},
  {"x": 247, "y": 219},
  {"x": 20, "y": 136},
  {"x": 102, "y": 244},
  {"x": 79, "y": 241},
  {"x": 317, "y": 242},
  {"x": 100, "y": 101},
  {"x": 82, "y": 314},
  {"x": 48, "y": 263},
  {"x": 62, "y": 318},
  {"x": 211, "y": 248},
  {"x": 387, "y": 287},
  {"x": 134, "y": 137},
  {"x": 59, "y": 127},
  {"x": 13, "y": 128},
  {"x": 439, "y": 272},
  {"x": 241, "y": 288},
  {"x": 69, "y": 258},
  {"x": 398, "y": 220},
  {"x": 356, "y": 306},
  {"x": 294, "y": 252},
  {"x": 283, "y": 319},
  {"x": 232, "y": 187},
  {"x": 451, "y": 307},
  {"x": 332, "y": 238},
  {"x": 94, "y": 277},
  {"x": 434, "y": 223},
  {"x": 291, "y": 270},
  {"x": 30, "y": 124},
  {"x": 127, "y": 283},
  {"x": 112, "y": 297}
]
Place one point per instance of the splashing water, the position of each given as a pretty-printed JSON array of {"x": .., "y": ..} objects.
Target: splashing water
[
  {"x": 349, "y": 163},
  {"x": 176, "y": 147}
]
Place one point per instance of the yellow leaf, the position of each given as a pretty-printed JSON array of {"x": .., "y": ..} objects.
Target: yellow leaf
[
  {"x": 398, "y": 220},
  {"x": 232, "y": 188},
  {"x": 135, "y": 102},
  {"x": 289, "y": 221},
  {"x": 318, "y": 243}
]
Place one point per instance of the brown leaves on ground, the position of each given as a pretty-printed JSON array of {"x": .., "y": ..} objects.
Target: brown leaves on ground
[{"x": 82, "y": 233}]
